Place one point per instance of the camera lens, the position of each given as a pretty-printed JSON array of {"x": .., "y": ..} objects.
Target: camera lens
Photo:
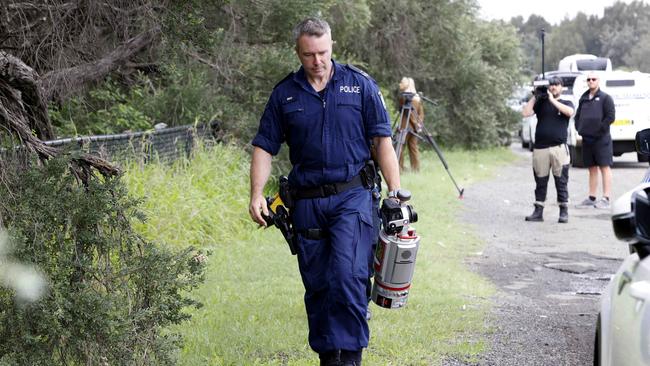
[{"x": 413, "y": 216}]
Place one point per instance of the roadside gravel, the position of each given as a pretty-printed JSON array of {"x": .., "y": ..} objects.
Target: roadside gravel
[{"x": 549, "y": 275}]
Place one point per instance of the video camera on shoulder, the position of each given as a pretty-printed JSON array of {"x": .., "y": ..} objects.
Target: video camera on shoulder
[
  {"x": 541, "y": 89},
  {"x": 541, "y": 86}
]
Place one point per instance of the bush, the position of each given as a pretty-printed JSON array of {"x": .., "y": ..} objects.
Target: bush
[
  {"x": 104, "y": 110},
  {"x": 111, "y": 293}
]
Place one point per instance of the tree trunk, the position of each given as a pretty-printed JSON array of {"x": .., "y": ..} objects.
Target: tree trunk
[
  {"x": 24, "y": 80},
  {"x": 23, "y": 114}
]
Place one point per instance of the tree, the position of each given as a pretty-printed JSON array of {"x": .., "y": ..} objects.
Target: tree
[
  {"x": 75, "y": 44},
  {"x": 479, "y": 59},
  {"x": 563, "y": 41},
  {"x": 111, "y": 292},
  {"x": 639, "y": 56},
  {"x": 529, "y": 34},
  {"x": 22, "y": 110}
]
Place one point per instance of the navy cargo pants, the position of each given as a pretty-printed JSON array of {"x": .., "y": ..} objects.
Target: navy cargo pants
[{"x": 334, "y": 269}]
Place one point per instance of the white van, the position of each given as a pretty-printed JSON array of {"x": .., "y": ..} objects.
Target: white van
[
  {"x": 631, "y": 94},
  {"x": 584, "y": 62}
]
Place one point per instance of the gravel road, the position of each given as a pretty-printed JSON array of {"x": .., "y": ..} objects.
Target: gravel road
[{"x": 549, "y": 275}]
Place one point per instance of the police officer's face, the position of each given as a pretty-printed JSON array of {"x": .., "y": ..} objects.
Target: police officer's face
[{"x": 315, "y": 54}]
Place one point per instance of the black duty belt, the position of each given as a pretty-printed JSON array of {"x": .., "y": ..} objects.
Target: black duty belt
[
  {"x": 326, "y": 190},
  {"x": 313, "y": 234}
]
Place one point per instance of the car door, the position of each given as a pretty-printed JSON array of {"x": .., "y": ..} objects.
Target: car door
[{"x": 630, "y": 316}]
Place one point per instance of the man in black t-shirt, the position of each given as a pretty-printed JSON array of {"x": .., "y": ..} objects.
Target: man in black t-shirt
[{"x": 550, "y": 152}]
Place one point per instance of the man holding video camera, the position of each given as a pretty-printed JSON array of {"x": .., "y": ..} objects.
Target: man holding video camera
[{"x": 550, "y": 152}]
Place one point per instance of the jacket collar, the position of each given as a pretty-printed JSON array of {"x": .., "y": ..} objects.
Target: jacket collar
[{"x": 598, "y": 93}]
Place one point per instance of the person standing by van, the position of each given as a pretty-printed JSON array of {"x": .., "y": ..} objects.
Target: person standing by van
[
  {"x": 550, "y": 153},
  {"x": 594, "y": 115}
]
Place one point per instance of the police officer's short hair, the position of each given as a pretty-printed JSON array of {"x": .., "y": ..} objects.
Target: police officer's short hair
[
  {"x": 555, "y": 80},
  {"x": 311, "y": 27}
]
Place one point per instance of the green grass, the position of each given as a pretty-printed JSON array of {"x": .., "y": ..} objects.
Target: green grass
[{"x": 253, "y": 312}]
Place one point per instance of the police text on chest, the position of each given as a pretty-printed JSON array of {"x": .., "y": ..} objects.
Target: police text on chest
[{"x": 350, "y": 89}]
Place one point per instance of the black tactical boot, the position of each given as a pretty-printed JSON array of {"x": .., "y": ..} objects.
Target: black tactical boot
[
  {"x": 330, "y": 358},
  {"x": 351, "y": 358},
  {"x": 564, "y": 214},
  {"x": 537, "y": 215}
]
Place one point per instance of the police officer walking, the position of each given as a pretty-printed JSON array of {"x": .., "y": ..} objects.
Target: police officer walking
[
  {"x": 550, "y": 153},
  {"x": 327, "y": 113}
]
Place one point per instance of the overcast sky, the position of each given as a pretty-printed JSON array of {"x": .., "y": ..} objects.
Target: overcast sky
[{"x": 552, "y": 10}]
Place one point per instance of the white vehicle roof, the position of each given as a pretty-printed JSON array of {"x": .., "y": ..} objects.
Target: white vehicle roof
[{"x": 584, "y": 62}]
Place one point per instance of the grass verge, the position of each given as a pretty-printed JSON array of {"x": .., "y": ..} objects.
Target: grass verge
[{"x": 253, "y": 312}]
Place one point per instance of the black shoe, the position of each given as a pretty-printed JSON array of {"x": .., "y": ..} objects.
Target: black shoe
[
  {"x": 537, "y": 215},
  {"x": 329, "y": 358},
  {"x": 351, "y": 358},
  {"x": 564, "y": 214}
]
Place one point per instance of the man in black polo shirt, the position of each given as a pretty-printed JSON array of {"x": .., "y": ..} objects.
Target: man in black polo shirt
[
  {"x": 550, "y": 152},
  {"x": 595, "y": 113}
]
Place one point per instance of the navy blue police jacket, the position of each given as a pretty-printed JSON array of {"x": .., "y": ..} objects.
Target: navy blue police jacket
[{"x": 327, "y": 136}]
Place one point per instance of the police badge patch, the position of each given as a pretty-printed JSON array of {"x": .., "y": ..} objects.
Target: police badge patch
[{"x": 382, "y": 99}]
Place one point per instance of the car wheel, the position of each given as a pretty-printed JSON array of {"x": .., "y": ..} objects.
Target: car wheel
[
  {"x": 641, "y": 158},
  {"x": 597, "y": 343},
  {"x": 576, "y": 156}
]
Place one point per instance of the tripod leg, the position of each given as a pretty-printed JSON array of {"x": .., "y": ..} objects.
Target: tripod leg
[
  {"x": 403, "y": 131},
  {"x": 430, "y": 139}
]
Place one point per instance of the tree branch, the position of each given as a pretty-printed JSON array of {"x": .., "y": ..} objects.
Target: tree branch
[
  {"x": 21, "y": 104},
  {"x": 59, "y": 85},
  {"x": 24, "y": 79}
]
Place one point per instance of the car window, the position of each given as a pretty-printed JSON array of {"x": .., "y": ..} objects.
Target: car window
[{"x": 611, "y": 83}]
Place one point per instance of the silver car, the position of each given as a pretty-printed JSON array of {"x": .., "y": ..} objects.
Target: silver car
[{"x": 623, "y": 326}]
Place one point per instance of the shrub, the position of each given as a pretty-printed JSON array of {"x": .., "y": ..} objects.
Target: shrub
[
  {"x": 111, "y": 293},
  {"x": 104, "y": 110}
]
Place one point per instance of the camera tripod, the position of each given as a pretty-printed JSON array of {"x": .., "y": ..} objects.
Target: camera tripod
[{"x": 400, "y": 134}]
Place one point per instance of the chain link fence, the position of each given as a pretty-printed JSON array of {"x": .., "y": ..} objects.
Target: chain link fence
[{"x": 161, "y": 144}]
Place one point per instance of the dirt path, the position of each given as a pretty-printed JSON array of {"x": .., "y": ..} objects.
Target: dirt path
[{"x": 549, "y": 275}]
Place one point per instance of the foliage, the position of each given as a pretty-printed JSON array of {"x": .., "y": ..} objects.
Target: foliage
[
  {"x": 618, "y": 35},
  {"x": 58, "y": 34},
  {"x": 111, "y": 293},
  {"x": 201, "y": 202},
  {"x": 479, "y": 64},
  {"x": 220, "y": 60},
  {"x": 104, "y": 110}
]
